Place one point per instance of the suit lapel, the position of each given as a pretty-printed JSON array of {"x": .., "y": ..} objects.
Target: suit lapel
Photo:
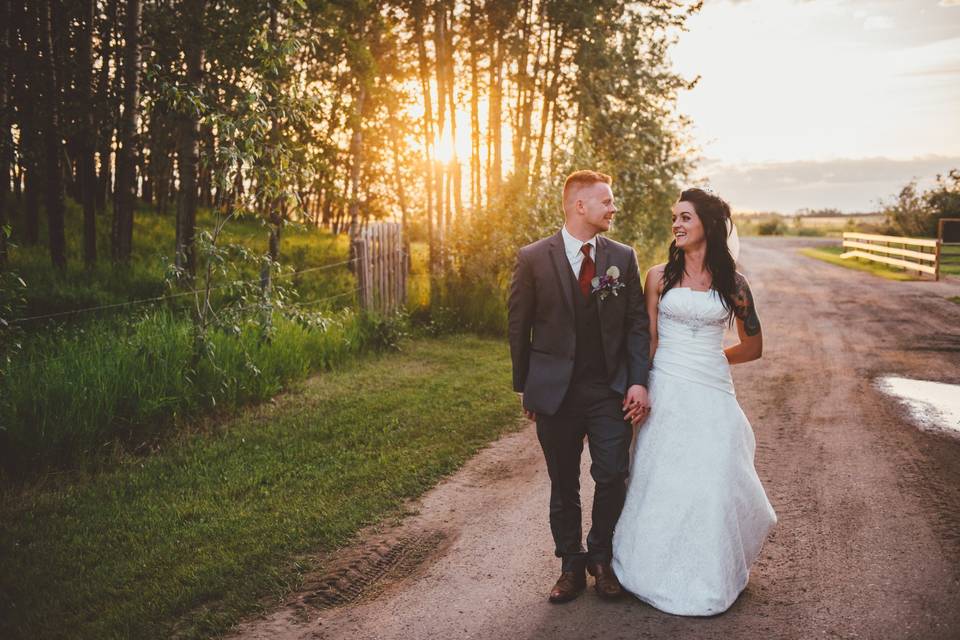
[
  {"x": 603, "y": 260},
  {"x": 561, "y": 266}
]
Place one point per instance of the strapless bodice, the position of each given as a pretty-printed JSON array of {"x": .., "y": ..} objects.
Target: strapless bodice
[{"x": 690, "y": 328}]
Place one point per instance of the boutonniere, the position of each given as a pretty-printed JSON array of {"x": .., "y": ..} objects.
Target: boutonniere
[{"x": 604, "y": 285}]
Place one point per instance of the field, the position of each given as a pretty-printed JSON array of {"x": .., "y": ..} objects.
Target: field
[
  {"x": 777, "y": 224},
  {"x": 841, "y": 223}
]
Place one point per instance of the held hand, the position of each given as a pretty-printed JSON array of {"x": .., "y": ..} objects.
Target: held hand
[
  {"x": 530, "y": 415},
  {"x": 636, "y": 404}
]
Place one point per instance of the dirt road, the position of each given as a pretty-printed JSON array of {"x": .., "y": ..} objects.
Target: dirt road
[{"x": 868, "y": 542}]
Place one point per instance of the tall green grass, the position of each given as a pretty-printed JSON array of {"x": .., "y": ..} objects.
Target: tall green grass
[
  {"x": 69, "y": 398},
  {"x": 84, "y": 383}
]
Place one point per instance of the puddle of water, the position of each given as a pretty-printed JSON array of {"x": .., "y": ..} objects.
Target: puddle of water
[{"x": 934, "y": 405}]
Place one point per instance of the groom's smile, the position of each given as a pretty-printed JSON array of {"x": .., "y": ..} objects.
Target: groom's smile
[{"x": 597, "y": 207}]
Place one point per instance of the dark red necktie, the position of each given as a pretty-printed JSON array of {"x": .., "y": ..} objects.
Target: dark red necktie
[{"x": 587, "y": 270}]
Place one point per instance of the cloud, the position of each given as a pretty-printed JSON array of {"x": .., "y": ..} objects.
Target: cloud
[
  {"x": 939, "y": 71},
  {"x": 850, "y": 184}
]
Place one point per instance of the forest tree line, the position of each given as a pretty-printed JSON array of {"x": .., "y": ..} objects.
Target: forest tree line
[{"x": 445, "y": 115}]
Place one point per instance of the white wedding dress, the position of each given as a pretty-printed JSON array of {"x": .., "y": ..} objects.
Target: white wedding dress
[{"x": 695, "y": 515}]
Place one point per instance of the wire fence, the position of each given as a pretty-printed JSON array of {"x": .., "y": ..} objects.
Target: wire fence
[
  {"x": 381, "y": 274},
  {"x": 172, "y": 296},
  {"x": 21, "y": 366}
]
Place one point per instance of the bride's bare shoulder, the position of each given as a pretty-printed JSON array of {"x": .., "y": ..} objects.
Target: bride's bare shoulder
[{"x": 655, "y": 276}]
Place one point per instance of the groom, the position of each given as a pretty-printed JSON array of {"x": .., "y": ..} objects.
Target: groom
[{"x": 580, "y": 353}]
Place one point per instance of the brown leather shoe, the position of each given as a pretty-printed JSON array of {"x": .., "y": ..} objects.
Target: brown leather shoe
[
  {"x": 568, "y": 587},
  {"x": 607, "y": 584}
]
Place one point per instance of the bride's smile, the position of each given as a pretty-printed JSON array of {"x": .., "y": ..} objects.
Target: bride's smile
[{"x": 687, "y": 228}]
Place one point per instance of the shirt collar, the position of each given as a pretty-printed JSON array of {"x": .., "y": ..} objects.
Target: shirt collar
[{"x": 572, "y": 246}]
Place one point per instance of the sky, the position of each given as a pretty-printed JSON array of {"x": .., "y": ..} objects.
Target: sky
[{"x": 822, "y": 103}]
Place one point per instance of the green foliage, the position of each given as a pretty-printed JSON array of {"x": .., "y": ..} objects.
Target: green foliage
[{"x": 915, "y": 213}]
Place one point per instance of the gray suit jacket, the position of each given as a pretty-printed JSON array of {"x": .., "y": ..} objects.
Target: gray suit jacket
[{"x": 542, "y": 327}]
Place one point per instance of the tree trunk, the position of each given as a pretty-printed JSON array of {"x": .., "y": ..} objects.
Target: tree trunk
[
  {"x": 205, "y": 170},
  {"x": 494, "y": 160},
  {"x": 188, "y": 142},
  {"x": 398, "y": 177},
  {"x": 52, "y": 139},
  {"x": 126, "y": 189},
  {"x": 356, "y": 147},
  {"x": 451, "y": 101},
  {"x": 273, "y": 204},
  {"x": 6, "y": 142},
  {"x": 62, "y": 47},
  {"x": 88, "y": 177},
  {"x": 429, "y": 168},
  {"x": 105, "y": 109},
  {"x": 30, "y": 141},
  {"x": 476, "y": 195},
  {"x": 525, "y": 91},
  {"x": 443, "y": 172},
  {"x": 550, "y": 94},
  {"x": 17, "y": 177}
]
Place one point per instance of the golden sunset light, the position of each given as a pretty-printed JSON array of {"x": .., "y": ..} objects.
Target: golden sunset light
[{"x": 479, "y": 319}]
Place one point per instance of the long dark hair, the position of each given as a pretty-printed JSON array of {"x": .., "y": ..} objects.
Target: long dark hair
[{"x": 713, "y": 212}]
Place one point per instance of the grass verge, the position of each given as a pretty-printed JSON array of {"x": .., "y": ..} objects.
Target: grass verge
[
  {"x": 192, "y": 538},
  {"x": 832, "y": 255},
  {"x": 70, "y": 399}
]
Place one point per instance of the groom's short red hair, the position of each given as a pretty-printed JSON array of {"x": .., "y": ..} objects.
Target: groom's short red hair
[{"x": 583, "y": 178}]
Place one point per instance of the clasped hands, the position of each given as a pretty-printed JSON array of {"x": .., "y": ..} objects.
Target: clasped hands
[{"x": 636, "y": 405}]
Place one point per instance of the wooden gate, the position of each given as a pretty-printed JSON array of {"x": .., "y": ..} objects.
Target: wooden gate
[{"x": 381, "y": 267}]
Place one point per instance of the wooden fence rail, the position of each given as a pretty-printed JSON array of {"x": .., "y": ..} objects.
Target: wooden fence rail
[
  {"x": 381, "y": 267},
  {"x": 880, "y": 249}
]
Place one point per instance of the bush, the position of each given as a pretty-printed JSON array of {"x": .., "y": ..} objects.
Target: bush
[
  {"x": 772, "y": 227},
  {"x": 917, "y": 213}
]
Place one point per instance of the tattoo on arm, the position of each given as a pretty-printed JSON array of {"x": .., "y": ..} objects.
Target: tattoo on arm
[{"x": 744, "y": 308}]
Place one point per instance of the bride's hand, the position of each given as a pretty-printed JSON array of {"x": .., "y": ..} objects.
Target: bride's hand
[{"x": 636, "y": 404}]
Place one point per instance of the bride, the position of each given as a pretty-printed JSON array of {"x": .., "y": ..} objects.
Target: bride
[{"x": 696, "y": 514}]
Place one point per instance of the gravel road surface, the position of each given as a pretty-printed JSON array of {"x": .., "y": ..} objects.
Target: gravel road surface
[{"x": 868, "y": 539}]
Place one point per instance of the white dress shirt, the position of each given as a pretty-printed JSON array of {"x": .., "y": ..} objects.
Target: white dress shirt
[{"x": 572, "y": 247}]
